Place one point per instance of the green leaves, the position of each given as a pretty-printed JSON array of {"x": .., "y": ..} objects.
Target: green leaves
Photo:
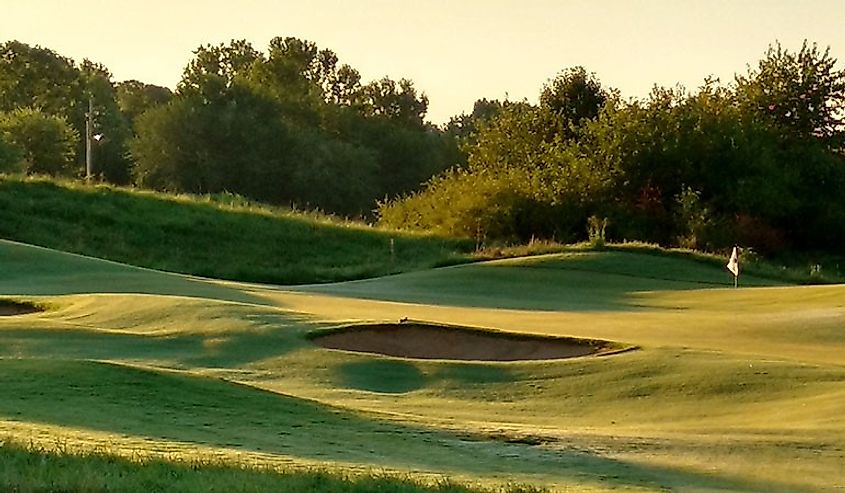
[
  {"x": 801, "y": 93},
  {"x": 755, "y": 162},
  {"x": 36, "y": 142}
]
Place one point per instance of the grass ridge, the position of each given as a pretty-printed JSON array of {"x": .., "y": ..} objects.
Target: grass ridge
[{"x": 220, "y": 236}]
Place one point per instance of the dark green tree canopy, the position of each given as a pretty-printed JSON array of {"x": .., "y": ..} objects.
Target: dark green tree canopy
[
  {"x": 294, "y": 126},
  {"x": 35, "y": 77},
  {"x": 31, "y": 76},
  {"x": 217, "y": 66},
  {"x": 799, "y": 92},
  {"x": 40, "y": 142},
  {"x": 135, "y": 97},
  {"x": 398, "y": 102},
  {"x": 757, "y": 162},
  {"x": 574, "y": 95}
]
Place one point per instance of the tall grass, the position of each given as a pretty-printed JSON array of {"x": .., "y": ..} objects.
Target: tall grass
[
  {"x": 31, "y": 469},
  {"x": 222, "y": 236}
]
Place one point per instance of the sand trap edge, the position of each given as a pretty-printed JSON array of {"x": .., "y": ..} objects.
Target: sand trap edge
[
  {"x": 551, "y": 347},
  {"x": 11, "y": 307}
]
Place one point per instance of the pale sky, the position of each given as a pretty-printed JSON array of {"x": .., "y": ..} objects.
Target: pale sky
[{"x": 455, "y": 51}]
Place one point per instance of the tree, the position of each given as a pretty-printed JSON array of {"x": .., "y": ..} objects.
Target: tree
[
  {"x": 802, "y": 92},
  {"x": 110, "y": 151},
  {"x": 10, "y": 157},
  {"x": 801, "y": 97},
  {"x": 45, "y": 143},
  {"x": 135, "y": 97},
  {"x": 464, "y": 125},
  {"x": 290, "y": 77},
  {"x": 511, "y": 139},
  {"x": 398, "y": 102},
  {"x": 38, "y": 77},
  {"x": 572, "y": 97},
  {"x": 332, "y": 175},
  {"x": 215, "y": 67},
  {"x": 294, "y": 126},
  {"x": 234, "y": 142}
]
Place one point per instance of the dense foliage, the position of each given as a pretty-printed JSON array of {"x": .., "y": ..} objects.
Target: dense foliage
[
  {"x": 758, "y": 162},
  {"x": 36, "y": 142},
  {"x": 292, "y": 126}
]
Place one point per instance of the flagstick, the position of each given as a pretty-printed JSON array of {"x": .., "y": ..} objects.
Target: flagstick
[{"x": 733, "y": 266}]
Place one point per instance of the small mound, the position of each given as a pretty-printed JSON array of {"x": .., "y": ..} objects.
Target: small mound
[
  {"x": 10, "y": 308},
  {"x": 426, "y": 341}
]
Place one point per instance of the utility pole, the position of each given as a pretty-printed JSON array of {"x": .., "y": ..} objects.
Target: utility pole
[{"x": 89, "y": 126}]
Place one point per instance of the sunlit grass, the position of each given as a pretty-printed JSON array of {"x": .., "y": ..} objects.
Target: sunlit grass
[
  {"x": 33, "y": 468},
  {"x": 214, "y": 236},
  {"x": 730, "y": 389}
]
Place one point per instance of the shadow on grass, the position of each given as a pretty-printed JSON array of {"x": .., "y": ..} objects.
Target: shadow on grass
[
  {"x": 387, "y": 377},
  {"x": 180, "y": 408},
  {"x": 36, "y": 271},
  {"x": 232, "y": 350},
  {"x": 589, "y": 281}
]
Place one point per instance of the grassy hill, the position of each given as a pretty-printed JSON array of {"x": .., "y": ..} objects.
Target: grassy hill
[
  {"x": 219, "y": 236},
  {"x": 730, "y": 389},
  {"x": 226, "y": 237}
]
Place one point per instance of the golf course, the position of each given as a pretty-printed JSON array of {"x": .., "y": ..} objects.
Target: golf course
[
  {"x": 422, "y": 247},
  {"x": 634, "y": 371}
]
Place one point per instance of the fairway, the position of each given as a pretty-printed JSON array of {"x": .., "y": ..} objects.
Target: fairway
[{"x": 720, "y": 389}]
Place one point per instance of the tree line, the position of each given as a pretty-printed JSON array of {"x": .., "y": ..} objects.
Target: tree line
[
  {"x": 756, "y": 161},
  {"x": 293, "y": 126}
]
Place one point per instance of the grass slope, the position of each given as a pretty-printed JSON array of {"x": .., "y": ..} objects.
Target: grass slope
[
  {"x": 731, "y": 390},
  {"x": 604, "y": 281},
  {"x": 220, "y": 237},
  {"x": 96, "y": 472}
]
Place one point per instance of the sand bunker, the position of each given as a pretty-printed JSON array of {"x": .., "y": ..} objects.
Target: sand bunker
[
  {"x": 425, "y": 341},
  {"x": 10, "y": 308}
]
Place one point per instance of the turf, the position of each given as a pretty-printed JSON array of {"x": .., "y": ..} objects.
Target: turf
[
  {"x": 730, "y": 389},
  {"x": 603, "y": 281}
]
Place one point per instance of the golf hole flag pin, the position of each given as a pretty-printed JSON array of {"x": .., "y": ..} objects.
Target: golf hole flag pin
[{"x": 733, "y": 265}]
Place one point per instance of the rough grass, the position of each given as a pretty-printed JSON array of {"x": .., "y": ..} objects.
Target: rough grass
[
  {"x": 225, "y": 236},
  {"x": 220, "y": 236},
  {"x": 35, "y": 469}
]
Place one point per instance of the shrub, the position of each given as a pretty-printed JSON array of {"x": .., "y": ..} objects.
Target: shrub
[{"x": 44, "y": 143}]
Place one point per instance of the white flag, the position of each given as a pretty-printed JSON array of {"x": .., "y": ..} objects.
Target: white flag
[{"x": 733, "y": 263}]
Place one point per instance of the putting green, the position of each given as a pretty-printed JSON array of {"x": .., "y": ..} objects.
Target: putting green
[{"x": 731, "y": 390}]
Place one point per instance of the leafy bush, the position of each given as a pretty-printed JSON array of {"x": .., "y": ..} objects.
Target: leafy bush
[{"x": 37, "y": 142}]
